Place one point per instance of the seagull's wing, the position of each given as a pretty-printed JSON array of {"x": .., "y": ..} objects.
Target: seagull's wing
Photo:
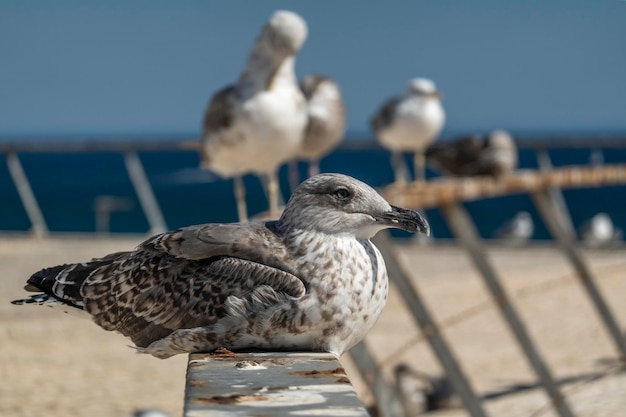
[
  {"x": 384, "y": 117},
  {"x": 255, "y": 242},
  {"x": 219, "y": 119},
  {"x": 456, "y": 158},
  {"x": 150, "y": 292},
  {"x": 219, "y": 114}
]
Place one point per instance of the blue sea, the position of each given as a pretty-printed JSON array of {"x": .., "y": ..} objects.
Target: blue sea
[{"x": 66, "y": 186}]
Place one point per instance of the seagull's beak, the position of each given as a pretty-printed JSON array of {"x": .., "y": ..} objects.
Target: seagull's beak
[{"x": 405, "y": 219}]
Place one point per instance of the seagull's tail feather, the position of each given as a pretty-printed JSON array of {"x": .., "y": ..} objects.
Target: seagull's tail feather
[{"x": 37, "y": 299}]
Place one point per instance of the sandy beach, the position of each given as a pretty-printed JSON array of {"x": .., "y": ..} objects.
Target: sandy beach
[{"x": 59, "y": 365}]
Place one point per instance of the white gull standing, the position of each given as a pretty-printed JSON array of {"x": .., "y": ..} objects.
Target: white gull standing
[
  {"x": 409, "y": 124},
  {"x": 311, "y": 280},
  {"x": 326, "y": 123},
  {"x": 257, "y": 124}
]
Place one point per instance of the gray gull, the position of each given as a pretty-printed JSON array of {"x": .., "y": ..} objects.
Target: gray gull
[
  {"x": 494, "y": 155},
  {"x": 409, "y": 124},
  {"x": 599, "y": 231},
  {"x": 518, "y": 230},
  {"x": 311, "y": 280},
  {"x": 326, "y": 122},
  {"x": 257, "y": 124}
]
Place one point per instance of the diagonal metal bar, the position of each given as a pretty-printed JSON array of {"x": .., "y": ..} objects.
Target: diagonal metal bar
[
  {"x": 561, "y": 231},
  {"x": 422, "y": 316},
  {"x": 40, "y": 228},
  {"x": 464, "y": 229},
  {"x": 556, "y": 194},
  {"x": 387, "y": 402},
  {"x": 144, "y": 193}
]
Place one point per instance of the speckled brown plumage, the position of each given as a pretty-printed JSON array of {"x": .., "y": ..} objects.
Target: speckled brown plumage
[{"x": 311, "y": 280}]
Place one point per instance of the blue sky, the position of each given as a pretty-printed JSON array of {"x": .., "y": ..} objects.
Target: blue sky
[{"x": 150, "y": 66}]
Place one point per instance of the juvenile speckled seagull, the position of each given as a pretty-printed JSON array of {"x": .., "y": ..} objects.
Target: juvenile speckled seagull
[
  {"x": 494, "y": 155},
  {"x": 257, "y": 124},
  {"x": 311, "y": 280},
  {"x": 409, "y": 124},
  {"x": 326, "y": 122}
]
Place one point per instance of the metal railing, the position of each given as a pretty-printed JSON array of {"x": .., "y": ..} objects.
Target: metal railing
[{"x": 204, "y": 391}]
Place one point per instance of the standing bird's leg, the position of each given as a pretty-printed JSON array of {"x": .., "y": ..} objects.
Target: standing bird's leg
[
  {"x": 399, "y": 168},
  {"x": 272, "y": 191},
  {"x": 419, "y": 165},
  {"x": 240, "y": 196},
  {"x": 314, "y": 167},
  {"x": 294, "y": 175}
]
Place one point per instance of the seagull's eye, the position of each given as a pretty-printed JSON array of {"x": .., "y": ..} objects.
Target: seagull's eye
[{"x": 342, "y": 194}]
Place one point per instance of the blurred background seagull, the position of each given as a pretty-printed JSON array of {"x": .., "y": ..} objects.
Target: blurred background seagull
[
  {"x": 518, "y": 230},
  {"x": 257, "y": 124},
  {"x": 409, "y": 124},
  {"x": 325, "y": 127},
  {"x": 494, "y": 155},
  {"x": 420, "y": 393},
  {"x": 599, "y": 231}
]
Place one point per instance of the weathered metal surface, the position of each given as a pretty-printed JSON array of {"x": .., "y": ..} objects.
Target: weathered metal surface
[
  {"x": 463, "y": 228},
  {"x": 450, "y": 190},
  {"x": 268, "y": 384},
  {"x": 415, "y": 304}
]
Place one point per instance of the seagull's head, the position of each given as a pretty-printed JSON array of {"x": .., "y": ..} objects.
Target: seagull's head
[
  {"x": 320, "y": 89},
  {"x": 500, "y": 139},
  {"x": 423, "y": 87},
  {"x": 339, "y": 204},
  {"x": 285, "y": 33}
]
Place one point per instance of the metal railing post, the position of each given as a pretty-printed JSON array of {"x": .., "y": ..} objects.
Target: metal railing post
[
  {"x": 420, "y": 313},
  {"x": 144, "y": 192},
  {"x": 387, "y": 401},
  {"x": 26, "y": 194},
  {"x": 552, "y": 216},
  {"x": 464, "y": 229}
]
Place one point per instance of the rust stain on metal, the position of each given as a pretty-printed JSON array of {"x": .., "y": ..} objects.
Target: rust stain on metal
[
  {"x": 229, "y": 399},
  {"x": 343, "y": 380},
  {"x": 222, "y": 353},
  {"x": 197, "y": 383},
  {"x": 319, "y": 374}
]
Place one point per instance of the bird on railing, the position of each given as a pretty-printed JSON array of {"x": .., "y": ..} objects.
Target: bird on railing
[
  {"x": 420, "y": 393},
  {"x": 326, "y": 123},
  {"x": 494, "y": 155},
  {"x": 257, "y": 124},
  {"x": 409, "y": 124},
  {"x": 311, "y": 280},
  {"x": 600, "y": 231},
  {"x": 518, "y": 230}
]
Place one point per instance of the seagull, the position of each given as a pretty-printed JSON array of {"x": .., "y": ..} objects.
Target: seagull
[
  {"x": 311, "y": 280},
  {"x": 518, "y": 230},
  {"x": 420, "y": 393},
  {"x": 494, "y": 155},
  {"x": 410, "y": 124},
  {"x": 258, "y": 123},
  {"x": 599, "y": 231},
  {"x": 326, "y": 122}
]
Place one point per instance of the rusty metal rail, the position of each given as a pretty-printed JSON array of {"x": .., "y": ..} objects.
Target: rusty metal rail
[
  {"x": 448, "y": 193},
  {"x": 443, "y": 191},
  {"x": 273, "y": 384}
]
